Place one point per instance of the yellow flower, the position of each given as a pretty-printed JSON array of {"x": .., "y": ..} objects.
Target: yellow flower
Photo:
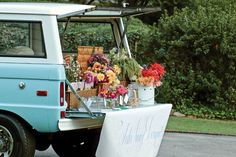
[
  {"x": 111, "y": 76},
  {"x": 117, "y": 69},
  {"x": 100, "y": 77},
  {"x": 116, "y": 82}
]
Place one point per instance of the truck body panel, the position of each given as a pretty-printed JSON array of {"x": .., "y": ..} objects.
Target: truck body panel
[{"x": 42, "y": 112}]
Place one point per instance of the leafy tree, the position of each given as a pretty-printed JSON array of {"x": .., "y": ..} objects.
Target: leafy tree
[{"x": 198, "y": 48}]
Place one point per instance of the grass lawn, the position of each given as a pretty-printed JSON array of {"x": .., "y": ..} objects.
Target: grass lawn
[{"x": 182, "y": 124}]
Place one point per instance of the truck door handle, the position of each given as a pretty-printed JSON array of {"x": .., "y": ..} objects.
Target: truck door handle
[{"x": 21, "y": 85}]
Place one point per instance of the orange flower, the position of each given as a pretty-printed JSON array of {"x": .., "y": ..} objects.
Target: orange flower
[
  {"x": 146, "y": 81},
  {"x": 97, "y": 66},
  {"x": 103, "y": 67},
  {"x": 103, "y": 92}
]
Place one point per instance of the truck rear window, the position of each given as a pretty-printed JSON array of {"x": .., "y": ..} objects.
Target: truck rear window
[
  {"x": 86, "y": 34},
  {"x": 21, "y": 39}
]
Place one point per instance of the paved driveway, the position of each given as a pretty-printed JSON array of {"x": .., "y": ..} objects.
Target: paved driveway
[
  {"x": 197, "y": 145},
  {"x": 186, "y": 145}
]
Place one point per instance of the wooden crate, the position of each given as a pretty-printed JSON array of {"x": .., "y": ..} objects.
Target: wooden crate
[
  {"x": 73, "y": 102},
  {"x": 85, "y": 52}
]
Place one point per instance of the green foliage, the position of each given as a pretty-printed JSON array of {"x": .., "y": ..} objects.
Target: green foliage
[
  {"x": 138, "y": 35},
  {"x": 33, "y": 1},
  {"x": 199, "y": 49},
  {"x": 101, "y": 35},
  {"x": 129, "y": 66},
  {"x": 184, "y": 124},
  {"x": 12, "y": 35},
  {"x": 87, "y": 34}
]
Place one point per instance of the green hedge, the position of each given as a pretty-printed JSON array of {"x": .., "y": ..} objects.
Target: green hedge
[
  {"x": 88, "y": 34},
  {"x": 198, "y": 47}
]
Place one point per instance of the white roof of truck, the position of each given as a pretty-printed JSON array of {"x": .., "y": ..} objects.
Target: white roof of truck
[{"x": 57, "y": 9}]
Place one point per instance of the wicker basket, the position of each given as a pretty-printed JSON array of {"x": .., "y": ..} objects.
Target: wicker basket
[
  {"x": 85, "y": 52},
  {"x": 73, "y": 102}
]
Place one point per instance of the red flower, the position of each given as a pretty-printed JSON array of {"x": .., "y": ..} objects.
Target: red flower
[
  {"x": 152, "y": 74},
  {"x": 112, "y": 95},
  {"x": 148, "y": 73},
  {"x": 159, "y": 69}
]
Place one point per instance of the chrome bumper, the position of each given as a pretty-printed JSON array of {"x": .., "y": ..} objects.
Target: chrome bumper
[{"x": 80, "y": 123}]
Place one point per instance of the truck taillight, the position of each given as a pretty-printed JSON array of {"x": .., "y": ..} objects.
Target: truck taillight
[
  {"x": 63, "y": 114},
  {"x": 62, "y": 93}
]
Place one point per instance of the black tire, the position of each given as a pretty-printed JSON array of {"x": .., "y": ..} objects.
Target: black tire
[
  {"x": 18, "y": 141},
  {"x": 80, "y": 143},
  {"x": 42, "y": 146},
  {"x": 42, "y": 141}
]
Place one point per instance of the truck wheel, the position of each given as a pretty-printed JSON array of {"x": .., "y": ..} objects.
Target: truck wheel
[
  {"x": 82, "y": 144},
  {"x": 15, "y": 139}
]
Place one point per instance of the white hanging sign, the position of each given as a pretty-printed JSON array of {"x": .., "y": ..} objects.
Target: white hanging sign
[{"x": 133, "y": 132}]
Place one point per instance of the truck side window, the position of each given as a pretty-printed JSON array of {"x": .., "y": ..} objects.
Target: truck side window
[{"x": 21, "y": 39}]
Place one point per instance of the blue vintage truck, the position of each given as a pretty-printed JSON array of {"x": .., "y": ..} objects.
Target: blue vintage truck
[{"x": 33, "y": 110}]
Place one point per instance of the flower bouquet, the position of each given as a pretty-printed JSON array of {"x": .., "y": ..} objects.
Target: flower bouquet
[
  {"x": 98, "y": 58},
  {"x": 101, "y": 72},
  {"x": 150, "y": 77},
  {"x": 72, "y": 68},
  {"x": 111, "y": 93}
]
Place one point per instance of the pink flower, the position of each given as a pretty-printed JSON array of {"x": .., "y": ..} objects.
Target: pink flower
[
  {"x": 158, "y": 83},
  {"x": 108, "y": 93},
  {"x": 121, "y": 90},
  {"x": 88, "y": 77}
]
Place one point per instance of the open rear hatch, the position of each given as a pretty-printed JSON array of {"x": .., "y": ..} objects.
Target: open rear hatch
[
  {"x": 119, "y": 12},
  {"x": 88, "y": 118},
  {"x": 109, "y": 12}
]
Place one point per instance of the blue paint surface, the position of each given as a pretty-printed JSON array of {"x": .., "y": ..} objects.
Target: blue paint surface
[{"x": 42, "y": 112}]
